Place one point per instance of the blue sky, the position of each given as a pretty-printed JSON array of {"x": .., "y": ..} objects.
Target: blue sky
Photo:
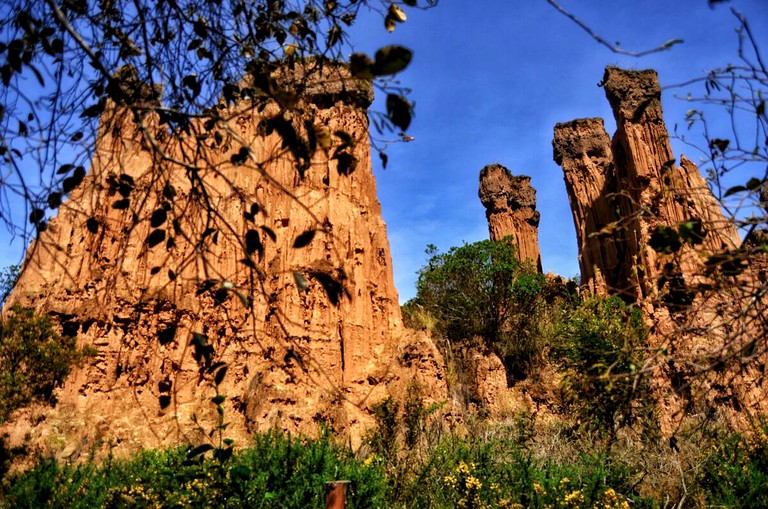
[{"x": 490, "y": 79}]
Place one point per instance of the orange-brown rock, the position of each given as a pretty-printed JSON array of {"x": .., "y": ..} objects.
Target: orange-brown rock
[
  {"x": 583, "y": 149},
  {"x": 510, "y": 207},
  {"x": 651, "y": 231},
  {"x": 225, "y": 245}
]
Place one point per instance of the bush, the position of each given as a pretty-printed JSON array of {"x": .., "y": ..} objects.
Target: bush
[
  {"x": 735, "y": 474},
  {"x": 600, "y": 344},
  {"x": 277, "y": 471},
  {"x": 482, "y": 290},
  {"x": 34, "y": 359}
]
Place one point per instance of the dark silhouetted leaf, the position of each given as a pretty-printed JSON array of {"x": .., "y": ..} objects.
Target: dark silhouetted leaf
[
  {"x": 248, "y": 263},
  {"x": 206, "y": 285},
  {"x": 156, "y": 237},
  {"x": 122, "y": 204},
  {"x": 169, "y": 192},
  {"x": 36, "y": 215},
  {"x": 93, "y": 111},
  {"x": 733, "y": 190},
  {"x": 220, "y": 374},
  {"x": 719, "y": 144},
  {"x": 75, "y": 180},
  {"x": 218, "y": 400},
  {"x": 304, "y": 239},
  {"x": 171, "y": 275},
  {"x": 154, "y": 270},
  {"x": 92, "y": 224},
  {"x": 269, "y": 232},
  {"x": 754, "y": 184},
  {"x": 167, "y": 335},
  {"x": 158, "y": 218},
  {"x": 77, "y": 136},
  {"x": 164, "y": 400},
  {"x": 665, "y": 240},
  {"x": 333, "y": 288},
  {"x": 346, "y": 163},
  {"x": 240, "y": 158},
  {"x": 65, "y": 168},
  {"x": 253, "y": 243},
  {"x": 399, "y": 111},
  {"x": 200, "y": 449},
  {"x": 384, "y": 159},
  {"x": 361, "y": 66},
  {"x": 54, "y": 200},
  {"x": 391, "y": 60}
]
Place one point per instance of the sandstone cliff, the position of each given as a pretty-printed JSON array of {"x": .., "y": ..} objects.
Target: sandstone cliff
[
  {"x": 510, "y": 207},
  {"x": 650, "y": 230},
  {"x": 253, "y": 241}
]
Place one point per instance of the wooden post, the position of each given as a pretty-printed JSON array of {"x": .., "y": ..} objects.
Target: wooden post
[{"x": 336, "y": 494}]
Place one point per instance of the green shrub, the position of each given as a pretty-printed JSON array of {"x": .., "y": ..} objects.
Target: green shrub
[
  {"x": 600, "y": 344},
  {"x": 277, "y": 471},
  {"x": 735, "y": 474},
  {"x": 34, "y": 359},
  {"x": 482, "y": 290}
]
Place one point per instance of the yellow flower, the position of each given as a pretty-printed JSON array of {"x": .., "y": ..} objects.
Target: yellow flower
[{"x": 538, "y": 488}]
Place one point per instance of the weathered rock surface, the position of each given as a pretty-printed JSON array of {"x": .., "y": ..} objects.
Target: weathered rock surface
[
  {"x": 510, "y": 207},
  {"x": 221, "y": 245},
  {"x": 649, "y": 230}
]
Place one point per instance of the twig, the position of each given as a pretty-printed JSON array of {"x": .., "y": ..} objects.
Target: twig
[{"x": 613, "y": 47}]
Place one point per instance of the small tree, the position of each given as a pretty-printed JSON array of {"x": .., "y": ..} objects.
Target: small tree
[
  {"x": 34, "y": 359},
  {"x": 482, "y": 290}
]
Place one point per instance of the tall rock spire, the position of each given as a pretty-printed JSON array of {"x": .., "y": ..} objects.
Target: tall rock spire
[{"x": 510, "y": 207}]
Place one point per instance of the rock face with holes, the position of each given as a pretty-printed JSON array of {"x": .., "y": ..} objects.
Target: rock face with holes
[
  {"x": 650, "y": 230},
  {"x": 253, "y": 243},
  {"x": 510, "y": 207}
]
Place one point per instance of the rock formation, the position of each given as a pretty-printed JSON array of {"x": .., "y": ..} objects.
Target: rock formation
[
  {"x": 255, "y": 241},
  {"x": 650, "y": 230},
  {"x": 510, "y": 207}
]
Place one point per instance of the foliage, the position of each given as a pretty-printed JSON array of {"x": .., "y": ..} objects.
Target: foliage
[
  {"x": 276, "y": 471},
  {"x": 600, "y": 345},
  {"x": 482, "y": 466},
  {"x": 482, "y": 290},
  {"x": 735, "y": 474},
  {"x": 34, "y": 359},
  {"x": 8, "y": 278}
]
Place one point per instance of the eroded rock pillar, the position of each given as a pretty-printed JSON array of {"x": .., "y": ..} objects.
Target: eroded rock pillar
[{"x": 510, "y": 207}]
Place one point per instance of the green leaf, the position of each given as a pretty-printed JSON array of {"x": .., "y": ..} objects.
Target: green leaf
[{"x": 301, "y": 281}]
